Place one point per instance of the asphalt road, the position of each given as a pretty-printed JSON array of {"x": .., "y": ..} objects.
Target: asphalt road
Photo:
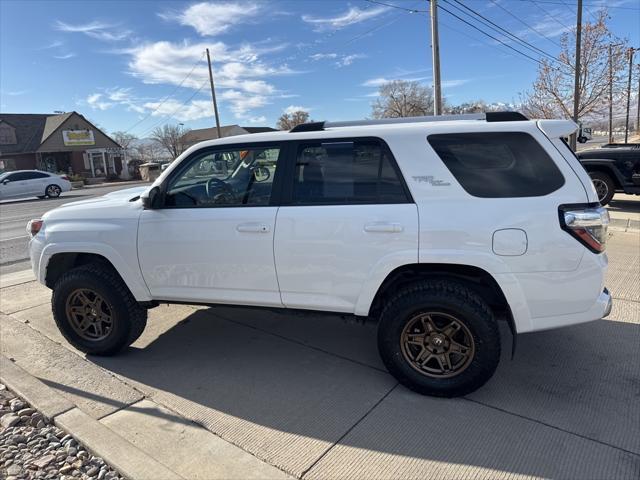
[{"x": 14, "y": 215}]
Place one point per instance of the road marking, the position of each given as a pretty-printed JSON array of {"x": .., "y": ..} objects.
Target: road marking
[{"x": 13, "y": 238}]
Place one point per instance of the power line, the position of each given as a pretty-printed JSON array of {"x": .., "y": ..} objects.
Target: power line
[
  {"x": 167, "y": 97},
  {"x": 150, "y": 129},
  {"x": 500, "y": 29},
  {"x": 489, "y": 35},
  {"x": 524, "y": 23},
  {"x": 597, "y": 5},
  {"x": 549, "y": 15},
  {"x": 410, "y": 10}
]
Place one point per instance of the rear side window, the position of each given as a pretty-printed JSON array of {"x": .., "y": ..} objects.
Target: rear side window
[
  {"x": 498, "y": 164},
  {"x": 346, "y": 172}
]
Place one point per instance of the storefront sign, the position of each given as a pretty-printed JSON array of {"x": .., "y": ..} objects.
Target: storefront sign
[{"x": 78, "y": 137}]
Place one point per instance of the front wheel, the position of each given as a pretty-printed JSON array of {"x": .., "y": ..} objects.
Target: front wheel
[
  {"x": 439, "y": 338},
  {"x": 95, "y": 311}
]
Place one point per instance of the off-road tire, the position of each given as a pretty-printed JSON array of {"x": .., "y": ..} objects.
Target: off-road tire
[
  {"x": 606, "y": 180},
  {"x": 129, "y": 318},
  {"x": 448, "y": 297}
]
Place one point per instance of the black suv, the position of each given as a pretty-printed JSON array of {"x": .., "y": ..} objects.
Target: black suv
[{"x": 613, "y": 168}]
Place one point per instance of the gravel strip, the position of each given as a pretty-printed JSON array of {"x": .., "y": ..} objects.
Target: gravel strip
[{"x": 32, "y": 448}]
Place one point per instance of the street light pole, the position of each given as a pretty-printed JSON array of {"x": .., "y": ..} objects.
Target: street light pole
[
  {"x": 610, "y": 93},
  {"x": 576, "y": 86},
  {"x": 213, "y": 95},
  {"x": 435, "y": 52}
]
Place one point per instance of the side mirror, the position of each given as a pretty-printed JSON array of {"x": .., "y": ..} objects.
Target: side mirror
[
  {"x": 149, "y": 199},
  {"x": 5, "y": 181}
]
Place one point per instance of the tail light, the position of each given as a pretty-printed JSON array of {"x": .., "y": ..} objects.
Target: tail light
[
  {"x": 64, "y": 177},
  {"x": 587, "y": 223},
  {"x": 34, "y": 226}
]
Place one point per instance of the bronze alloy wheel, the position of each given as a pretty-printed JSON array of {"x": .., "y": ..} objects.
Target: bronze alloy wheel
[
  {"x": 437, "y": 344},
  {"x": 89, "y": 314}
]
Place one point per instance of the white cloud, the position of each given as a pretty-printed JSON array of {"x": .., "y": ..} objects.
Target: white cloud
[
  {"x": 321, "y": 56},
  {"x": 65, "y": 56},
  {"x": 240, "y": 74},
  {"x": 296, "y": 108},
  {"x": 194, "y": 110},
  {"x": 213, "y": 18},
  {"x": 455, "y": 83},
  {"x": 350, "y": 17},
  {"x": 260, "y": 119},
  {"x": 98, "y": 30},
  {"x": 95, "y": 102},
  {"x": 376, "y": 82},
  {"x": 347, "y": 60}
]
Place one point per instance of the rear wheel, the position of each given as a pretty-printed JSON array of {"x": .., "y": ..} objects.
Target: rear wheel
[
  {"x": 605, "y": 188},
  {"x": 95, "y": 311},
  {"x": 53, "y": 191},
  {"x": 439, "y": 338}
]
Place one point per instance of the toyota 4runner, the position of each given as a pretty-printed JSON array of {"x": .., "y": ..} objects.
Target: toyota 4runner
[{"x": 435, "y": 227}]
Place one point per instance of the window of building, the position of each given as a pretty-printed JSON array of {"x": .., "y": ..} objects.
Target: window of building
[
  {"x": 498, "y": 164},
  {"x": 346, "y": 172}
]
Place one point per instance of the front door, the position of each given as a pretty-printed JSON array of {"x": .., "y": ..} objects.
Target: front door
[
  {"x": 348, "y": 220},
  {"x": 211, "y": 240}
]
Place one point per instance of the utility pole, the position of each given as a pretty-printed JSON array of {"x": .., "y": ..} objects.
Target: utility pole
[
  {"x": 435, "y": 52},
  {"x": 576, "y": 91},
  {"x": 626, "y": 125},
  {"x": 610, "y": 93},
  {"x": 213, "y": 95},
  {"x": 638, "y": 110}
]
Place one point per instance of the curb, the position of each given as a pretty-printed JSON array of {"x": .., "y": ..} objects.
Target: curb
[
  {"x": 127, "y": 459},
  {"x": 16, "y": 278}
]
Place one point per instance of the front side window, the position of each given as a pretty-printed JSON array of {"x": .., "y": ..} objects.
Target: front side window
[
  {"x": 346, "y": 172},
  {"x": 498, "y": 164},
  {"x": 225, "y": 178}
]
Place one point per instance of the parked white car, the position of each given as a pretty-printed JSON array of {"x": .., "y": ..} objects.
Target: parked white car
[
  {"x": 32, "y": 183},
  {"x": 434, "y": 227}
]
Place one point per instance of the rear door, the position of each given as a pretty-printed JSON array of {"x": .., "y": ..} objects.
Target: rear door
[{"x": 346, "y": 215}]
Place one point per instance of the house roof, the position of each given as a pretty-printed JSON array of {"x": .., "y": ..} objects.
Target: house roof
[
  {"x": 201, "y": 134},
  {"x": 29, "y": 128},
  {"x": 33, "y": 129}
]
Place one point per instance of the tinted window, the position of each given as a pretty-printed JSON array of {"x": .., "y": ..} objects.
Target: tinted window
[
  {"x": 33, "y": 175},
  {"x": 225, "y": 178},
  {"x": 345, "y": 172},
  {"x": 495, "y": 165},
  {"x": 19, "y": 176}
]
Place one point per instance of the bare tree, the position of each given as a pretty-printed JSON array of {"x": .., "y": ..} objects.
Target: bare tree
[
  {"x": 552, "y": 93},
  {"x": 148, "y": 151},
  {"x": 124, "y": 139},
  {"x": 289, "y": 120},
  {"x": 402, "y": 98},
  {"x": 478, "y": 106},
  {"x": 171, "y": 139}
]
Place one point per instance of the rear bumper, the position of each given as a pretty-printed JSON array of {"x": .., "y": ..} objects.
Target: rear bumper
[{"x": 600, "y": 309}]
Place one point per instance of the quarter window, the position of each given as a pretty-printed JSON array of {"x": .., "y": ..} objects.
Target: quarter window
[
  {"x": 345, "y": 172},
  {"x": 498, "y": 164},
  {"x": 225, "y": 178}
]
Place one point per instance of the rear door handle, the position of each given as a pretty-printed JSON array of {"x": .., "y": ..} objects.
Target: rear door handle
[
  {"x": 253, "y": 228},
  {"x": 383, "y": 227}
]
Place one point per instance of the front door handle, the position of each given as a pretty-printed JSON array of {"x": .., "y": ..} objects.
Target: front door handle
[
  {"x": 383, "y": 227},
  {"x": 253, "y": 228}
]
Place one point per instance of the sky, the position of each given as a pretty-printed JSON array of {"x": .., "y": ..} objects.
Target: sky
[{"x": 135, "y": 65}]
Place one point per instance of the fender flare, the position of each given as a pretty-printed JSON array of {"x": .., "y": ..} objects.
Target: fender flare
[{"x": 131, "y": 277}]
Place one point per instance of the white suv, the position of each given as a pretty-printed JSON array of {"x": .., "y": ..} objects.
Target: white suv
[{"x": 436, "y": 228}]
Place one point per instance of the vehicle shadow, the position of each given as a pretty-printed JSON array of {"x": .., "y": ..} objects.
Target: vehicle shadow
[
  {"x": 287, "y": 388},
  {"x": 624, "y": 205},
  {"x": 20, "y": 201}
]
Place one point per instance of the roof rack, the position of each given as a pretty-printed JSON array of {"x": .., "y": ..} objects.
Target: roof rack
[{"x": 487, "y": 116}]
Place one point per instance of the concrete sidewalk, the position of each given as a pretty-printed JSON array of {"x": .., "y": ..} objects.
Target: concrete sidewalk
[{"x": 240, "y": 393}]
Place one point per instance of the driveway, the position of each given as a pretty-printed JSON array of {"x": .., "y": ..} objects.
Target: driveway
[{"x": 308, "y": 394}]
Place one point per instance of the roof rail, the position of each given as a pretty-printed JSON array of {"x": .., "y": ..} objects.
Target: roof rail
[{"x": 487, "y": 116}]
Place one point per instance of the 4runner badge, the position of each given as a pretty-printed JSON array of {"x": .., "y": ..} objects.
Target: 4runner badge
[{"x": 431, "y": 180}]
